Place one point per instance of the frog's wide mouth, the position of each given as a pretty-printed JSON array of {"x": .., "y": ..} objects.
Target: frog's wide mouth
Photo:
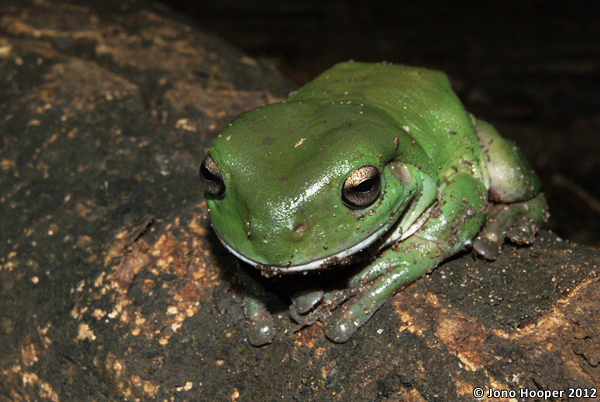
[{"x": 340, "y": 258}]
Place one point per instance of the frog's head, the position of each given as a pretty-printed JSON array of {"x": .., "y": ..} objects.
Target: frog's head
[{"x": 293, "y": 187}]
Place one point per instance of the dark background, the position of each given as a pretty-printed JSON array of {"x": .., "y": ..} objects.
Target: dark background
[
  {"x": 530, "y": 68},
  {"x": 304, "y": 37}
]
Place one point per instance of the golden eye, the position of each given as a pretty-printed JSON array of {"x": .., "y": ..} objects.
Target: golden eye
[
  {"x": 211, "y": 177},
  {"x": 361, "y": 187}
]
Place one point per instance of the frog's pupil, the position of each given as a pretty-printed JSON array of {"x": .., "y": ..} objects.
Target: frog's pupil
[
  {"x": 206, "y": 174},
  {"x": 365, "y": 186}
]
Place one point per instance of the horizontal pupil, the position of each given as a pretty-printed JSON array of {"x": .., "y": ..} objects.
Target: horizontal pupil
[
  {"x": 207, "y": 174},
  {"x": 365, "y": 186}
]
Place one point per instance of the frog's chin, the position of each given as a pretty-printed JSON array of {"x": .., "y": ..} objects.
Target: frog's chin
[{"x": 347, "y": 256}]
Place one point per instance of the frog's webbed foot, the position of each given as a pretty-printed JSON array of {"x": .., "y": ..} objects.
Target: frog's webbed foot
[{"x": 518, "y": 222}]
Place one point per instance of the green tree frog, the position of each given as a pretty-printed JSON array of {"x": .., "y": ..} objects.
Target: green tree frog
[{"x": 373, "y": 170}]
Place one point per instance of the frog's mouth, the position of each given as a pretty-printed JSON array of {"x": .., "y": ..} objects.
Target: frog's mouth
[{"x": 348, "y": 256}]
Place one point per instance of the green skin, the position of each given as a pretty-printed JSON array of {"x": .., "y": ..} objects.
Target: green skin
[{"x": 447, "y": 181}]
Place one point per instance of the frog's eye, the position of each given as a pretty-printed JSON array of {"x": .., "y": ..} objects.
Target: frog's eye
[
  {"x": 361, "y": 187},
  {"x": 212, "y": 178}
]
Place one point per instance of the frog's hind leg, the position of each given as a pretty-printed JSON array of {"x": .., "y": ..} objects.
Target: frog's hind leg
[{"x": 518, "y": 207}]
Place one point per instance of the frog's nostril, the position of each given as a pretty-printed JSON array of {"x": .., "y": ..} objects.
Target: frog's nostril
[
  {"x": 299, "y": 229},
  {"x": 248, "y": 228}
]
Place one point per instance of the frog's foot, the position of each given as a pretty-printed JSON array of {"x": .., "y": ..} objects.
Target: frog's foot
[
  {"x": 260, "y": 326},
  {"x": 518, "y": 222}
]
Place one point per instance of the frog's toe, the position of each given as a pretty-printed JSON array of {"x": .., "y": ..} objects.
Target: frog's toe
[
  {"x": 521, "y": 234},
  {"x": 340, "y": 326},
  {"x": 305, "y": 300},
  {"x": 487, "y": 247},
  {"x": 260, "y": 325},
  {"x": 303, "y": 319},
  {"x": 261, "y": 330}
]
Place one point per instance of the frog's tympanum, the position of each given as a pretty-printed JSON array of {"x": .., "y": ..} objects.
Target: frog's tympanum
[{"x": 373, "y": 170}]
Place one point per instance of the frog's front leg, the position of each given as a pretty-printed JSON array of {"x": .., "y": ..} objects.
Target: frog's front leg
[
  {"x": 520, "y": 209},
  {"x": 453, "y": 222}
]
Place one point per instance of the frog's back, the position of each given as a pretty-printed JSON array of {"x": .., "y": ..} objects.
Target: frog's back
[{"x": 419, "y": 101}]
